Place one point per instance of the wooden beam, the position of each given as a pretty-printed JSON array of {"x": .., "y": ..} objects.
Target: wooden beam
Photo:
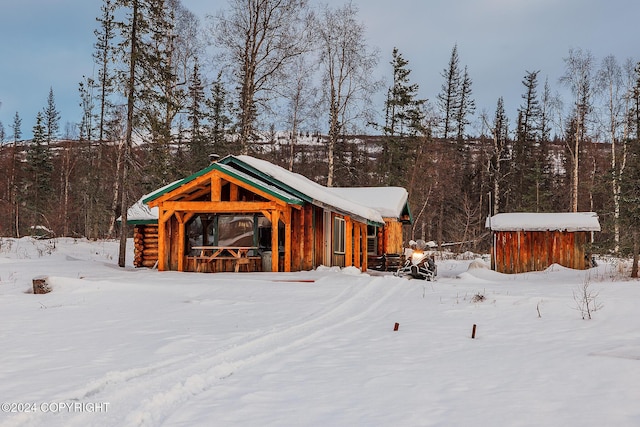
[
  {"x": 164, "y": 216},
  {"x": 348, "y": 241},
  {"x": 181, "y": 239},
  {"x": 202, "y": 191},
  {"x": 162, "y": 238},
  {"x": 365, "y": 254},
  {"x": 233, "y": 192},
  {"x": 216, "y": 188},
  {"x": 275, "y": 253},
  {"x": 220, "y": 207},
  {"x": 287, "y": 239},
  {"x": 186, "y": 188},
  {"x": 356, "y": 245}
]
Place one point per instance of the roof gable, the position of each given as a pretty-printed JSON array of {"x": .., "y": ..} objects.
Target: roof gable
[
  {"x": 367, "y": 204},
  {"x": 201, "y": 180}
]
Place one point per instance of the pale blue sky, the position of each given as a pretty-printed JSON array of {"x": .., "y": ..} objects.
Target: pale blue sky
[{"x": 48, "y": 44}]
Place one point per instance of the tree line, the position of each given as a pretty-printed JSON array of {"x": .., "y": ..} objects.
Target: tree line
[{"x": 291, "y": 82}]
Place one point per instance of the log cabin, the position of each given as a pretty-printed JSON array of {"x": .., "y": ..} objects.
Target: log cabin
[
  {"x": 523, "y": 242},
  {"x": 246, "y": 214}
]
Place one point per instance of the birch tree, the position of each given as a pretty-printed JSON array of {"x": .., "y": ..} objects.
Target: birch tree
[
  {"x": 610, "y": 86},
  {"x": 499, "y": 134},
  {"x": 16, "y": 127},
  {"x": 258, "y": 39},
  {"x": 346, "y": 65},
  {"x": 300, "y": 97},
  {"x": 578, "y": 78},
  {"x": 630, "y": 197}
]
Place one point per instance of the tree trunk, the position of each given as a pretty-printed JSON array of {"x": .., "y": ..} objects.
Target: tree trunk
[
  {"x": 574, "y": 184},
  {"x": 127, "y": 146},
  {"x": 636, "y": 249}
]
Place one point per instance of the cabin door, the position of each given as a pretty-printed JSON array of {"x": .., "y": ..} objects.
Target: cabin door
[{"x": 326, "y": 232}]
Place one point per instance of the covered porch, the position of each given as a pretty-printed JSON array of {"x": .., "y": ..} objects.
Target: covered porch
[{"x": 221, "y": 219}]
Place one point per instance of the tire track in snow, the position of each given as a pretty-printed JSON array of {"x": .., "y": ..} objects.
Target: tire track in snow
[
  {"x": 358, "y": 305},
  {"x": 145, "y": 396}
]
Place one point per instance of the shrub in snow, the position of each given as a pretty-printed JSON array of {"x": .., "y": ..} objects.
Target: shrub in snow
[{"x": 585, "y": 300}]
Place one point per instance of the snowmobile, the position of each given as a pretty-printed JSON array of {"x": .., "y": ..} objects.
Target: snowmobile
[{"x": 419, "y": 265}]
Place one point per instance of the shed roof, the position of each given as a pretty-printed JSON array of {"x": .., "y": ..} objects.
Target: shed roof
[{"x": 562, "y": 221}]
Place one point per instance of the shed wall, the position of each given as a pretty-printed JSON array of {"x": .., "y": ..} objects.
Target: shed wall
[{"x": 522, "y": 251}]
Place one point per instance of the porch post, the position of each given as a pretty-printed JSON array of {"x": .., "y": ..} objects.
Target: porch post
[
  {"x": 163, "y": 217},
  {"x": 348, "y": 243},
  {"x": 356, "y": 245},
  {"x": 275, "y": 253},
  {"x": 363, "y": 242},
  {"x": 287, "y": 239}
]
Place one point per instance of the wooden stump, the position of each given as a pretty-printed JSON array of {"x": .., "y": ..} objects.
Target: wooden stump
[{"x": 41, "y": 285}]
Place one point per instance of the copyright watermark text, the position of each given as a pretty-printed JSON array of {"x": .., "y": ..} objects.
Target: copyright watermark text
[{"x": 54, "y": 407}]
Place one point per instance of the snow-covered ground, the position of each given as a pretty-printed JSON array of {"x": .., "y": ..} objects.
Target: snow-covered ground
[{"x": 128, "y": 347}]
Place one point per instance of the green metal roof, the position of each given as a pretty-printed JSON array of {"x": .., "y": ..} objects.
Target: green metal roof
[
  {"x": 267, "y": 187},
  {"x": 231, "y": 160}
]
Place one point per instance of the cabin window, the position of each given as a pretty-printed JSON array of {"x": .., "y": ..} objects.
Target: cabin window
[
  {"x": 339, "y": 235},
  {"x": 372, "y": 239}
]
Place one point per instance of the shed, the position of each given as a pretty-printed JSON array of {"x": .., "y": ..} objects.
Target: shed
[
  {"x": 533, "y": 241},
  {"x": 244, "y": 207}
]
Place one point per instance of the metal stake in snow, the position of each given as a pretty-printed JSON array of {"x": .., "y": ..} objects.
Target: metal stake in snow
[
  {"x": 473, "y": 332},
  {"x": 396, "y": 326}
]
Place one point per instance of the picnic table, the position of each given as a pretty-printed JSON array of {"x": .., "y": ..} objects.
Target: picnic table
[{"x": 240, "y": 254}]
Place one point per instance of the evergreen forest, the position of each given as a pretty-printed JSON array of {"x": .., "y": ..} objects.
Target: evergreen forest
[{"x": 289, "y": 81}]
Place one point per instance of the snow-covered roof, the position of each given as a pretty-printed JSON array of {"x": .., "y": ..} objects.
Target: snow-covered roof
[
  {"x": 363, "y": 203},
  {"x": 388, "y": 201},
  {"x": 521, "y": 221},
  {"x": 140, "y": 212},
  {"x": 319, "y": 193},
  {"x": 283, "y": 195}
]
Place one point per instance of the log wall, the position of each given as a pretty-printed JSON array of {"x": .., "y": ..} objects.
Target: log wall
[{"x": 145, "y": 245}]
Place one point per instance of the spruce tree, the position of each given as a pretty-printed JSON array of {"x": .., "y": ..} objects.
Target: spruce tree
[
  {"x": 198, "y": 146},
  {"x": 465, "y": 106},
  {"x": 526, "y": 167},
  {"x": 16, "y": 127},
  {"x": 218, "y": 107},
  {"x": 499, "y": 155},
  {"x": 36, "y": 182},
  {"x": 449, "y": 95},
  {"x": 103, "y": 55},
  {"x": 51, "y": 118},
  {"x": 403, "y": 123}
]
